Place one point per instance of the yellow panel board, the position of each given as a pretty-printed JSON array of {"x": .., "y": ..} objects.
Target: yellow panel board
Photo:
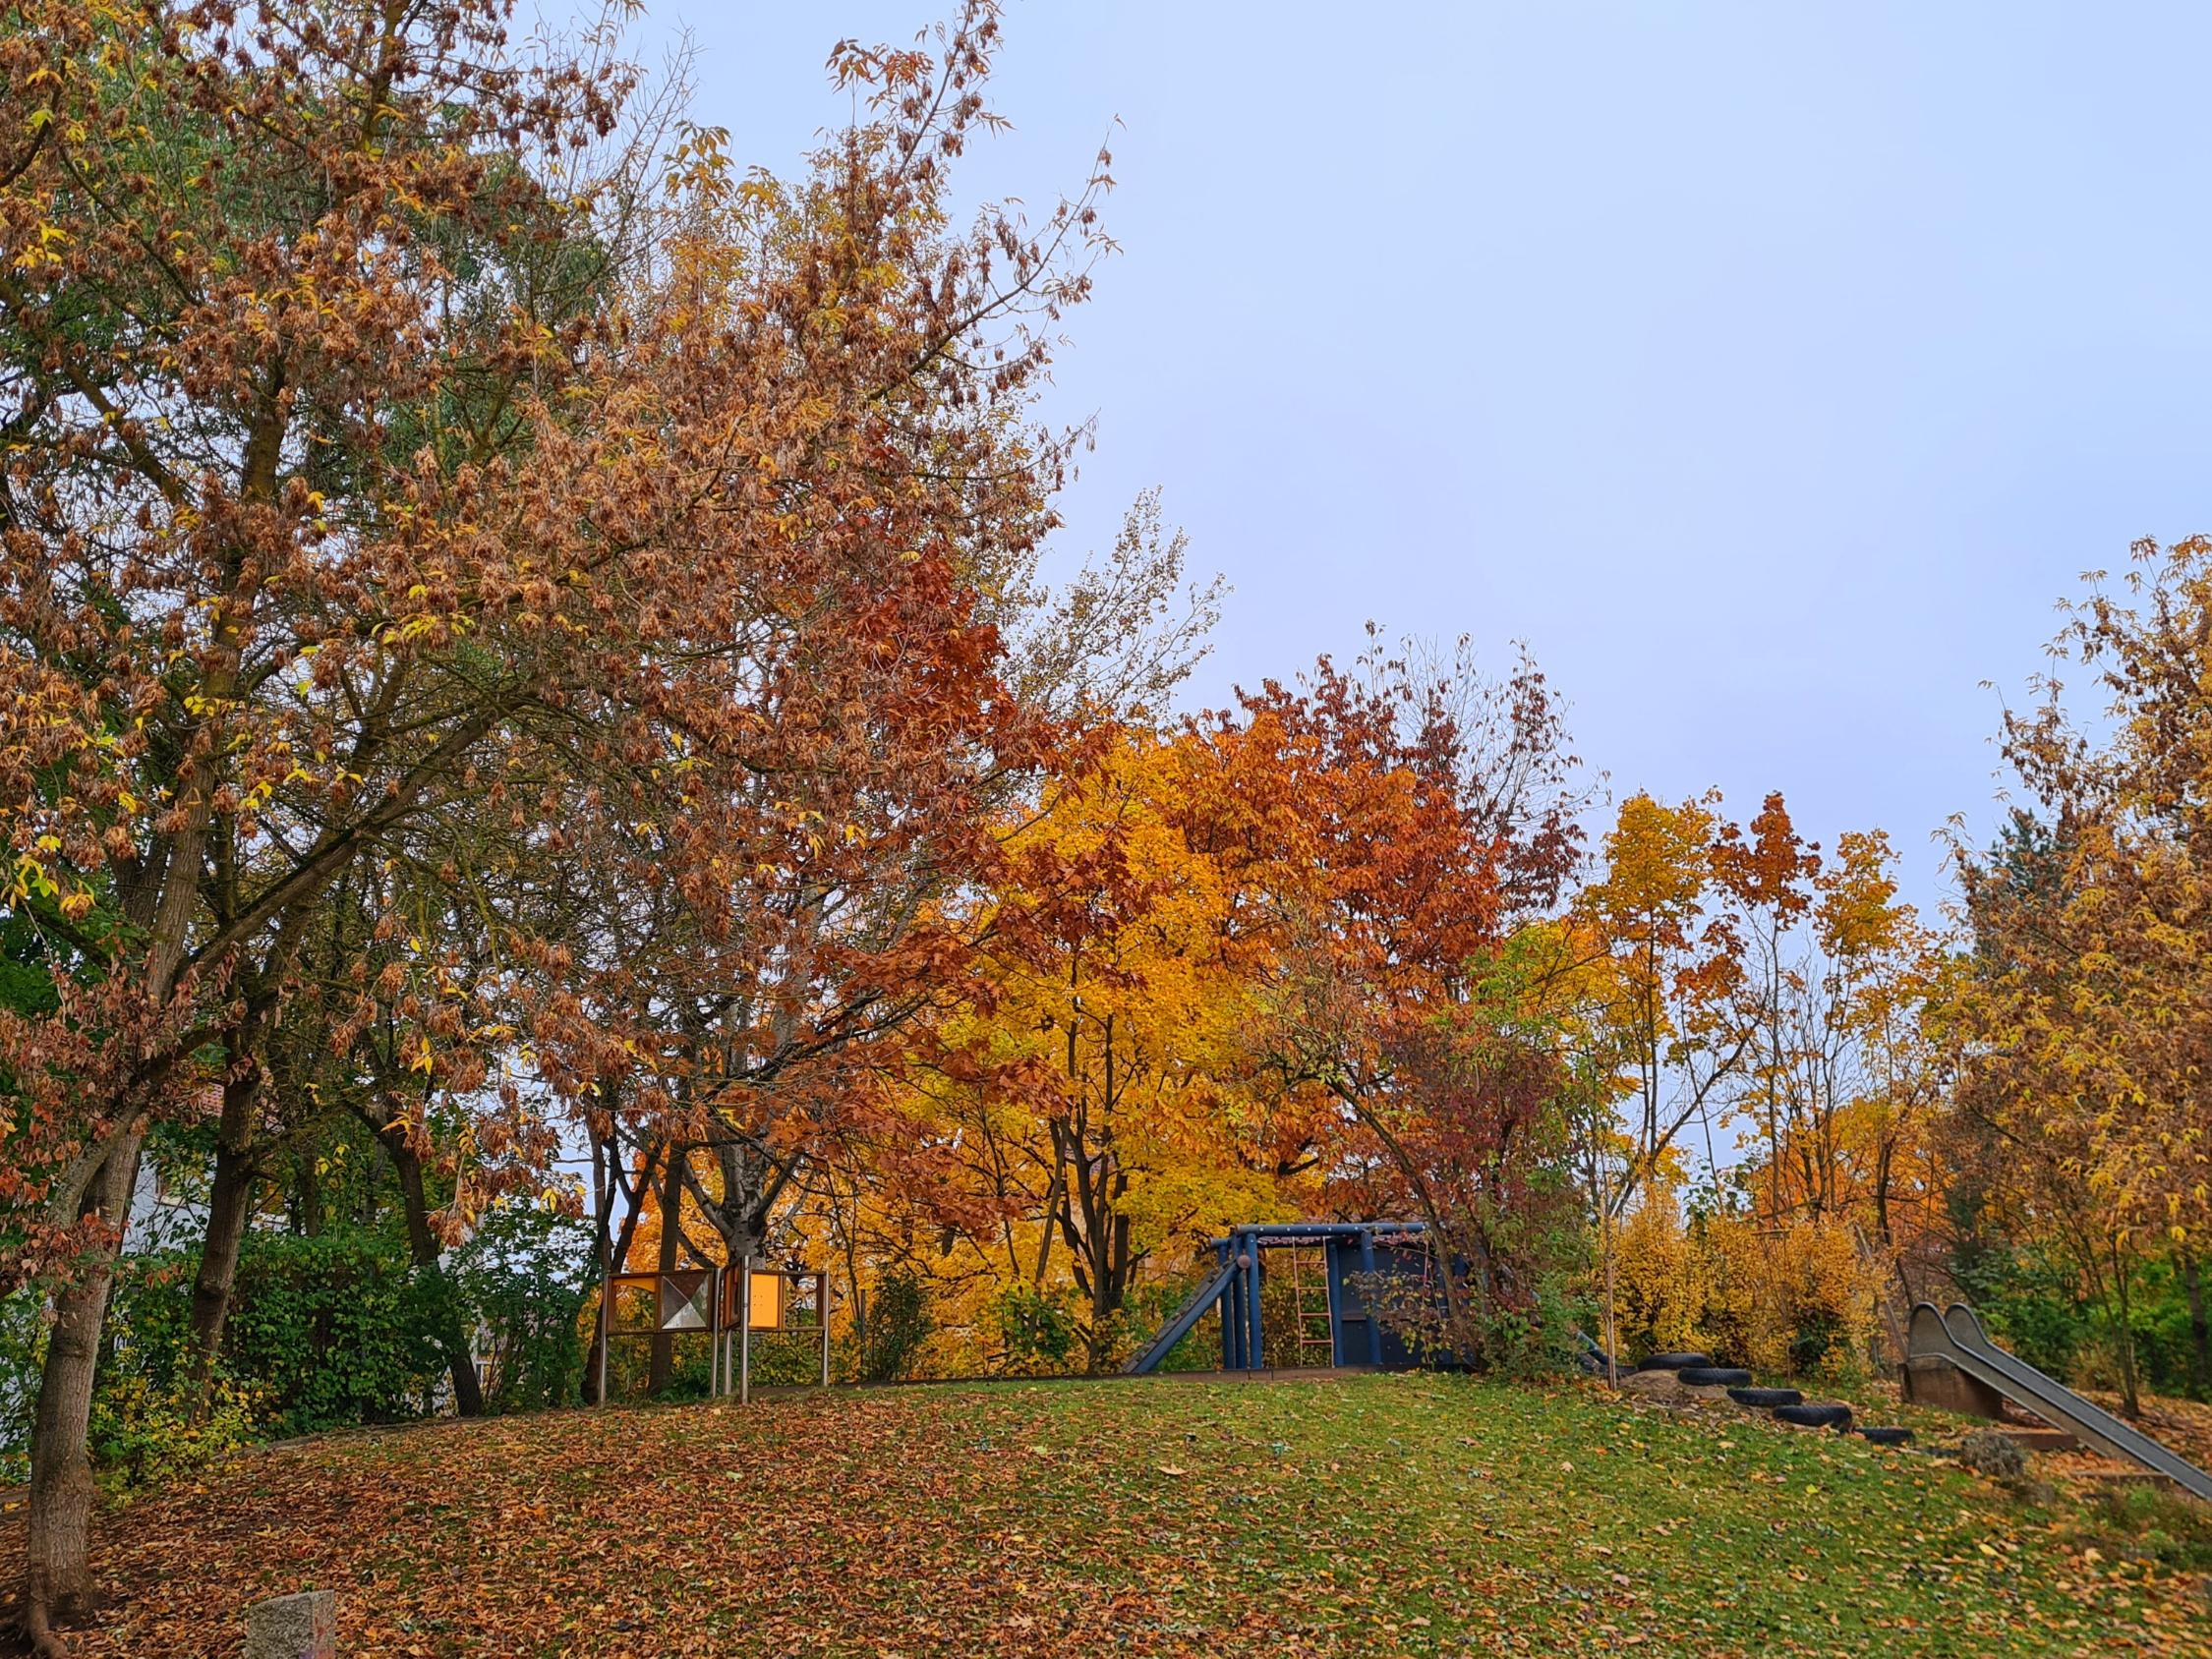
[{"x": 768, "y": 1301}]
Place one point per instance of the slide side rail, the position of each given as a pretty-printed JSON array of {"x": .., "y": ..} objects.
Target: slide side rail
[
  {"x": 1176, "y": 1329},
  {"x": 1956, "y": 1335}
]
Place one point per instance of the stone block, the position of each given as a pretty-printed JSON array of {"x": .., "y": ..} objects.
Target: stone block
[{"x": 298, "y": 1627}]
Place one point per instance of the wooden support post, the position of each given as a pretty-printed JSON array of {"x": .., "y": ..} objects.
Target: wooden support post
[
  {"x": 714, "y": 1379},
  {"x": 822, "y": 1313}
]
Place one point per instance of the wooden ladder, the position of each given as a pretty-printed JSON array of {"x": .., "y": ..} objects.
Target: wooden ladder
[{"x": 1311, "y": 1315}]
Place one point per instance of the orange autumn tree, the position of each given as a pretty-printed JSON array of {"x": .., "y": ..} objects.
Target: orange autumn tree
[
  {"x": 297, "y": 339},
  {"x": 768, "y": 945},
  {"x": 1658, "y": 910},
  {"x": 1857, "y": 1077},
  {"x": 1395, "y": 824},
  {"x": 1755, "y": 985},
  {"x": 1764, "y": 875}
]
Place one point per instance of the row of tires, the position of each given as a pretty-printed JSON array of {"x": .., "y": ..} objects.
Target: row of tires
[{"x": 1787, "y": 1405}]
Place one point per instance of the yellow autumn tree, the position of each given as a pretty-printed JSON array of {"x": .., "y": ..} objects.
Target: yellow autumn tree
[
  {"x": 1096, "y": 1084},
  {"x": 2080, "y": 1032}
]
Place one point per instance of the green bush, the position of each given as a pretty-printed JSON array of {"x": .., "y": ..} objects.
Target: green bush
[
  {"x": 22, "y": 1343},
  {"x": 1038, "y": 1336},
  {"x": 2034, "y": 1301},
  {"x": 323, "y": 1332},
  {"x": 339, "y": 1328},
  {"x": 900, "y": 1323},
  {"x": 2031, "y": 1302},
  {"x": 143, "y": 1433},
  {"x": 523, "y": 1279},
  {"x": 1154, "y": 1302}
]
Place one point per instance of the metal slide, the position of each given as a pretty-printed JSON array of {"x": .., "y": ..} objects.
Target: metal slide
[
  {"x": 1957, "y": 1335},
  {"x": 1178, "y": 1327}
]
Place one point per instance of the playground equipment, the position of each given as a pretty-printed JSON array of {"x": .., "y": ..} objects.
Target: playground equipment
[
  {"x": 1323, "y": 1276},
  {"x": 731, "y": 1306},
  {"x": 1956, "y": 1339}
]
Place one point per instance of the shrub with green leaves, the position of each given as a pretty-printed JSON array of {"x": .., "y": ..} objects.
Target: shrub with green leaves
[
  {"x": 144, "y": 1433},
  {"x": 522, "y": 1280},
  {"x": 1037, "y": 1334},
  {"x": 899, "y": 1324}
]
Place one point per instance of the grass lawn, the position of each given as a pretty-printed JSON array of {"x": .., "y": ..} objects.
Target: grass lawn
[{"x": 1379, "y": 1514}]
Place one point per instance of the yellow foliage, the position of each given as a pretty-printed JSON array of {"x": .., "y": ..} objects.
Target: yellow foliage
[
  {"x": 1800, "y": 1299},
  {"x": 1660, "y": 1296}
]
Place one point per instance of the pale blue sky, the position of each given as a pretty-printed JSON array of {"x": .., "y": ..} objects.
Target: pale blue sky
[{"x": 1770, "y": 369}]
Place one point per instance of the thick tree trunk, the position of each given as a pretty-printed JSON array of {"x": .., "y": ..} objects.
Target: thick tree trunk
[
  {"x": 229, "y": 1205},
  {"x": 661, "y": 1372},
  {"x": 2200, "y": 1337},
  {"x": 423, "y": 1250},
  {"x": 58, "y": 1582}
]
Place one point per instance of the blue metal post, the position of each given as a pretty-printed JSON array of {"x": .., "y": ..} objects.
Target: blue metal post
[
  {"x": 1367, "y": 1295},
  {"x": 1232, "y": 1308},
  {"x": 1233, "y": 1314},
  {"x": 1256, "y": 1358},
  {"x": 1332, "y": 1287}
]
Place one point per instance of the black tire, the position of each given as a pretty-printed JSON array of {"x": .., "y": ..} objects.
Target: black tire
[
  {"x": 1888, "y": 1437},
  {"x": 1815, "y": 1417},
  {"x": 1715, "y": 1377},
  {"x": 1766, "y": 1400},
  {"x": 1675, "y": 1361}
]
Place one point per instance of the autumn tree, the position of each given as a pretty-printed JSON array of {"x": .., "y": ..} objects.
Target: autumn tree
[
  {"x": 2077, "y": 1031},
  {"x": 351, "y": 477},
  {"x": 1764, "y": 869},
  {"x": 1658, "y": 909},
  {"x": 287, "y": 318},
  {"x": 2078, "y": 1028},
  {"x": 1096, "y": 1084},
  {"x": 1400, "y": 820}
]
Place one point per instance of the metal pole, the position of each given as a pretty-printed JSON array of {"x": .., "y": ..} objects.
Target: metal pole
[
  {"x": 1236, "y": 1318},
  {"x": 1256, "y": 1357},
  {"x": 745, "y": 1332},
  {"x": 1330, "y": 1274},
  {"x": 1366, "y": 1297},
  {"x": 821, "y": 1311},
  {"x": 1228, "y": 1301}
]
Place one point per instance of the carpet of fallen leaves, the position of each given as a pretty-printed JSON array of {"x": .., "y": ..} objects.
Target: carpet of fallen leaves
[{"x": 1380, "y": 1515}]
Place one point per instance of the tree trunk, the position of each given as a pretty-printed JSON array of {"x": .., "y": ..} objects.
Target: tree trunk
[
  {"x": 1609, "y": 1330},
  {"x": 423, "y": 1250},
  {"x": 2201, "y": 1338},
  {"x": 662, "y": 1370},
  {"x": 229, "y": 1204},
  {"x": 58, "y": 1580},
  {"x": 306, "y": 1194},
  {"x": 2130, "y": 1403}
]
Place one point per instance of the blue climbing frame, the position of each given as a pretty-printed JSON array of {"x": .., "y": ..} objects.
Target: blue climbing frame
[{"x": 1353, "y": 1254}]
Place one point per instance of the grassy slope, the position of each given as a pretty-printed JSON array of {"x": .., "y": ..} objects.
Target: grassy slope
[{"x": 1413, "y": 1515}]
